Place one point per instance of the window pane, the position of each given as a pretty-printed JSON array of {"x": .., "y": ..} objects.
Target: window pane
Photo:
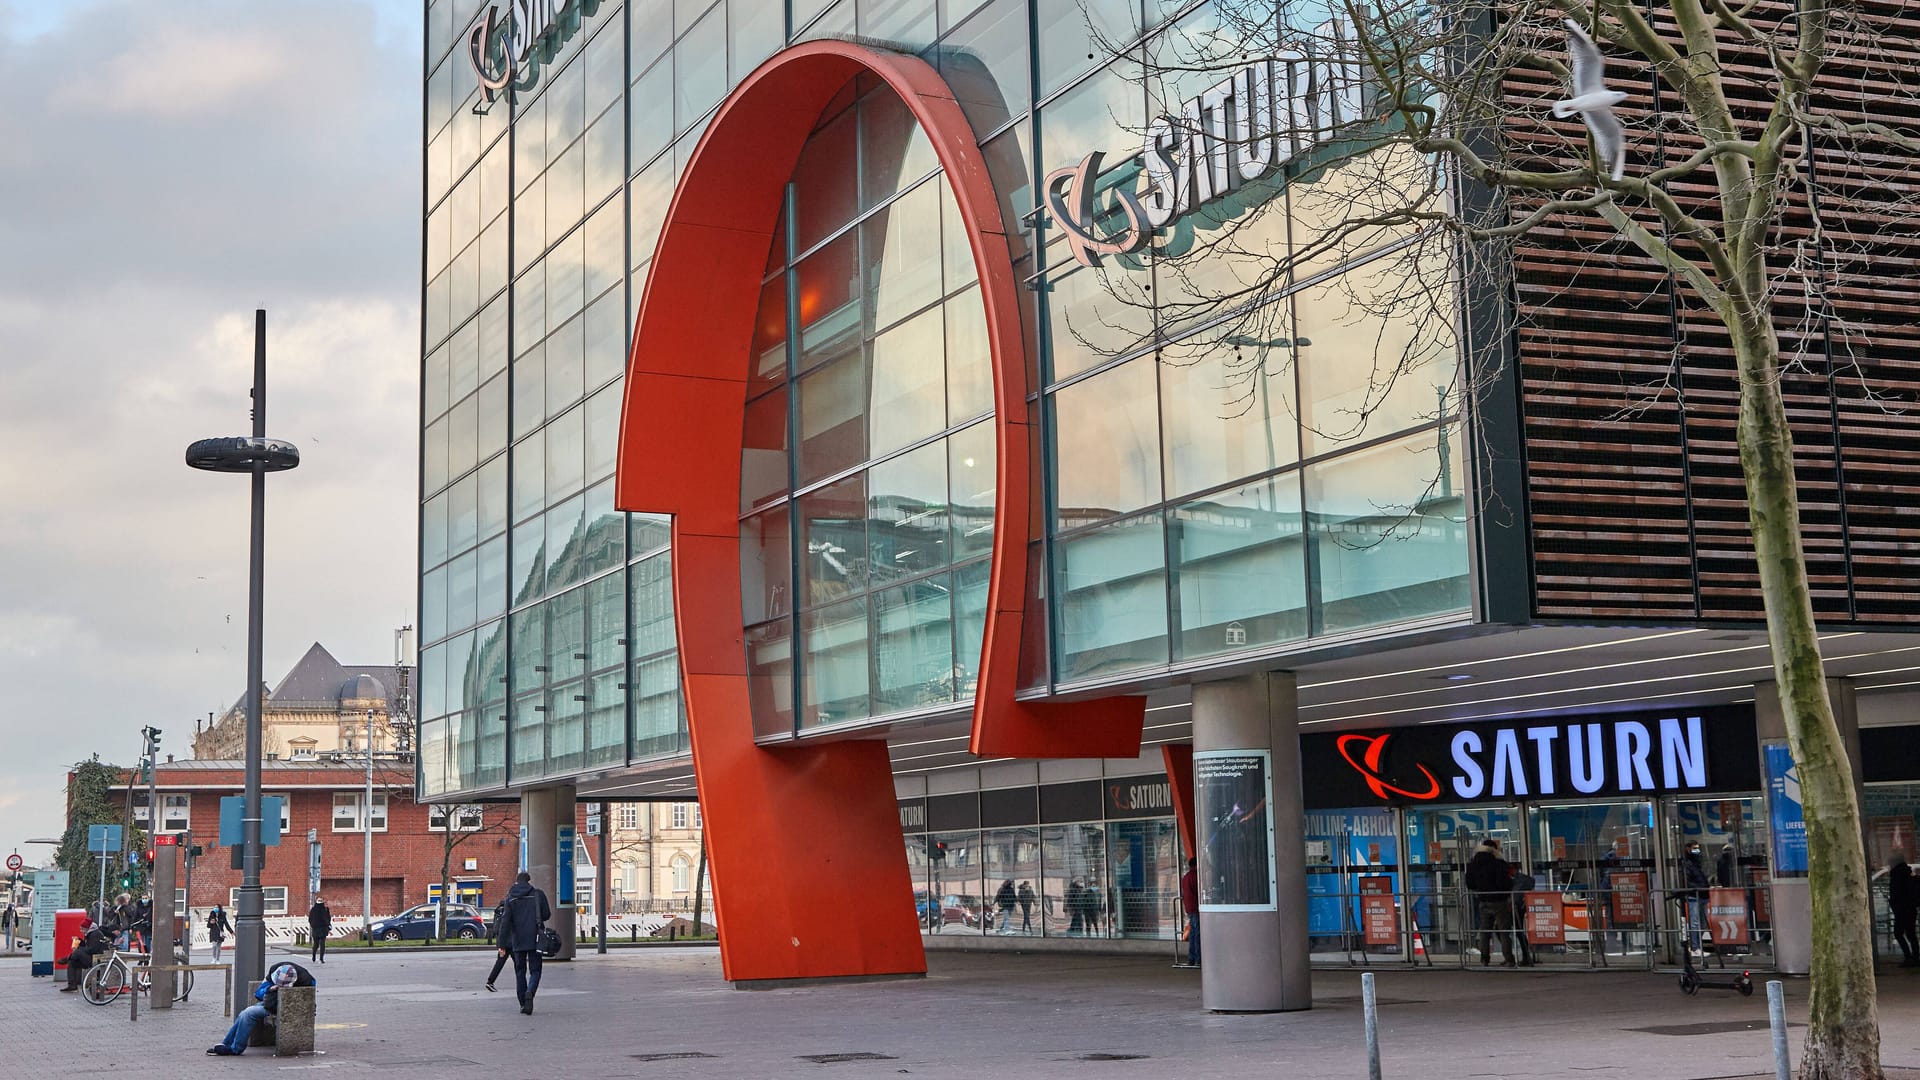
[
  {"x": 606, "y": 338},
  {"x": 755, "y": 29},
  {"x": 825, "y": 189},
  {"x": 652, "y": 584},
  {"x": 1112, "y": 599},
  {"x": 603, "y": 432},
  {"x": 969, "y": 361},
  {"x": 605, "y": 253},
  {"x": 770, "y": 677},
  {"x": 529, "y": 561},
  {"x": 914, "y": 647},
  {"x": 894, "y": 152},
  {"x": 1241, "y": 567},
  {"x": 985, "y": 62},
  {"x": 462, "y": 436},
  {"x": 971, "y": 458},
  {"x": 1377, "y": 362},
  {"x": 763, "y": 454},
  {"x": 970, "y": 625},
  {"x": 766, "y": 565},
  {"x": 902, "y": 255},
  {"x": 606, "y": 622},
  {"x": 1074, "y": 35},
  {"x": 833, "y": 417},
  {"x": 433, "y": 531},
  {"x": 566, "y": 453},
  {"x": 909, "y": 386},
  {"x": 461, "y": 581},
  {"x": 770, "y": 334},
  {"x": 833, "y": 539},
  {"x": 462, "y": 514},
  {"x": 830, "y": 322},
  {"x": 907, "y": 514},
  {"x": 529, "y": 477},
  {"x": 529, "y": 392},
  {"x": 1106, "y": 431},
  {"x": 566, "y": 635},
  {"x": 1389, "y": 533},
  {"x": 603, "y": 539},
  {"x": 566, "y": 536},
  {"x": 492, "y": 587},
  {"x": 701, "y": 58},
  {"x": 833, "y": 671},
  {"x": 492, "y": 418},
  {"x": 652, "y": 105},
  {"x": 1228, "y": 412},
  {"x": 659, "y": 725}
]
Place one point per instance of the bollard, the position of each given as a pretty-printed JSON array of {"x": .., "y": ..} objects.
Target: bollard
[
  {"x": 633, "y": 934},
  {"x": 1373, "y": 1025},
  {"x": 1777, "y": 1019}
]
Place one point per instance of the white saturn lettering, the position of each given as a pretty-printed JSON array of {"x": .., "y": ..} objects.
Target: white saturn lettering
[{"x": 1513, "y": 773}]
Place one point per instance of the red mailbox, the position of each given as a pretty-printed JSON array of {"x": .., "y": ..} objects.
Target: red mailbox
[{"x": 66, "y": 934}]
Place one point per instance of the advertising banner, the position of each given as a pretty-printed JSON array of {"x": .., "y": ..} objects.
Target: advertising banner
[
  {"x": 1727, "y": 916},
  {"x": 1629, "y": 898},
  {"x": 49, "y": 896},
  {"x": 1233, "y": 797},
  {"x": 564, "y": 879},
  {"x": 1787, "y": 827},
  {"x": 1545, "y": 926},
  {"x": 1377, "y": 916}
]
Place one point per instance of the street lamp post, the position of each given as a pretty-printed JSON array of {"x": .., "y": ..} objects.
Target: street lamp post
[
  {"x": 366, "y": 826},
  {"x": 256, "y": 455}
]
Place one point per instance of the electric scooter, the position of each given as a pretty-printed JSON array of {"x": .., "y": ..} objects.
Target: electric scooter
[{"x": 1692, "y": 979}]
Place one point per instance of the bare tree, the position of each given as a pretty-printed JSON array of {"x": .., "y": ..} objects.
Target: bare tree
[
  {"x": 454, "y": 820},
  {"x": 1423, "y": 133}
]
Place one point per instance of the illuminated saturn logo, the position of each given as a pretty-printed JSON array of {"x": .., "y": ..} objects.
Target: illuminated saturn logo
[
  {"x": 1368, "y": 766},
  {"x": 1068, "y": 194}
]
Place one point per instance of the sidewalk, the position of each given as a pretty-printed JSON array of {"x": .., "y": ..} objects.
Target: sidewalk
[{"x": 668, "y": 1014}]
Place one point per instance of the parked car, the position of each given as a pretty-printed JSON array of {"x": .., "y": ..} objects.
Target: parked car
[
  {"x": 951, "y": 912},
  {"x": 417, "y": 923}
]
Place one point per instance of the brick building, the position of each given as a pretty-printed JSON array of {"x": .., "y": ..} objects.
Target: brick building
[{"x": 326, "y": 794}]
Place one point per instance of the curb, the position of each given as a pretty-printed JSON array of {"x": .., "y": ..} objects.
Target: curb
[{"x": 581, "y": 947}]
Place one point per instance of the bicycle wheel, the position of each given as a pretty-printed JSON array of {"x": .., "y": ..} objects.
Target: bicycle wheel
[
  {"x": 104, "y": 982},
  {"x": 183, "y": 986}
]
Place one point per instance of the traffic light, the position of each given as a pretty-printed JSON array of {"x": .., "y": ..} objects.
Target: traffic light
[{"x": 939, "y": 851}]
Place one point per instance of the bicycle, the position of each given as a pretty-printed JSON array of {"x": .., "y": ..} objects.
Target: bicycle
[{"x": 110, "y": 978}]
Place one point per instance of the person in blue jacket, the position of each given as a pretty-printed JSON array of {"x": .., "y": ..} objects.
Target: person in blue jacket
[{"x": 266, "y": 1002}]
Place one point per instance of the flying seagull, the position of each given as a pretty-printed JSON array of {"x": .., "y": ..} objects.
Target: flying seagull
[{"x": 1593, "y": 101}]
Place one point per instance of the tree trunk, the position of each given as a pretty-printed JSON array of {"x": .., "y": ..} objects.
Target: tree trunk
[
  {"x": 446, "y": 870},
  {"x": 1843, "y": 1030},
  {"x": 700, "y": 884}
]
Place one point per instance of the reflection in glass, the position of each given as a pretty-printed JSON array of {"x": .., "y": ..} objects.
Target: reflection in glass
[
  {"x": 971, "y": 458},
  {"x": 833, "y": 541},
  {"x": 766, "y": 565},
  {"x": 833, "y": 669},
  {"x": 902, "y": 255},
  {"x": 1074, "y": 886},
  {"x": 913, "y": 646},
  {"x": 1112, "y": 599},
  {"x": 1107, "y": 438},
  {"x": 1144, "y": 901},
  {"x": 1241, "y": 568},
  {"x": 1380, "y": 358},
  {"x": 770, "y": 677},
  {"x": 908, "y": 398},
  {"x": 1389, "y": 533},
  {"x": 907, "y": 514},
  {"x": 1013, "y": 880}
]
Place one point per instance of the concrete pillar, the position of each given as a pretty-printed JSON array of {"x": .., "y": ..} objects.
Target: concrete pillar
[
  {"x": 1253, "y": 889},
  {"x": 1792, "y": 905},
  {"x": 542, "y": 812}
]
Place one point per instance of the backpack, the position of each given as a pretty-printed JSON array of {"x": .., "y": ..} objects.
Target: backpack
[{"x": 549, "y": 941}]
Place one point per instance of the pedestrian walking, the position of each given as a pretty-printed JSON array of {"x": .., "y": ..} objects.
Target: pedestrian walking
[
  {"x": 1903, "y": 896},
  {"x": 1076, "y": 907},
  {"x": 499, "y": 945},
  {"x": 1004, "y": 901},
  {"x": 1190, "y": 904},
  {"x": 1490, "y": 881},
  {"x": 320, "y": 926},
  {"x": 266, "y": 1002},
  {"x": 218, "y": 929},
  {"x": 1027, "y": 898},
  {"x": 527, "y": 912}
]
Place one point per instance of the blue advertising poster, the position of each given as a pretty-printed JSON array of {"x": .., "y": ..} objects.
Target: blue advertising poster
[
  {"x": 1788, "y": 827},
  {"x": 1342, "y": 845},
  {"x": 563, "y": 873}
]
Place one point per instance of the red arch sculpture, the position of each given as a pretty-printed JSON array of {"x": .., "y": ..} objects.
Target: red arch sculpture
[{"x": 804, "y": 841}]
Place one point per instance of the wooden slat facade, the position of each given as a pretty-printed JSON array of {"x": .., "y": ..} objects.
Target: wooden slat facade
[{"x": 1627, "y": 382}]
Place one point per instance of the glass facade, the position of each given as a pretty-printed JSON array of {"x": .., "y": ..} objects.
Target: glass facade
[{"x": 1213, "y": 484}]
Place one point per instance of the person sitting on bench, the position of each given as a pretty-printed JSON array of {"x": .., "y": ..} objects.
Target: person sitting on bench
[
  {"x": 93, "y": 944},
  {"x": 266, "y": 1003}
]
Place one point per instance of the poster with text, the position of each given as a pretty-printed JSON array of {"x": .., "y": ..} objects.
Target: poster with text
[
  {"x": 1727, "y": 916},
  {"x": 1233, "y": 807},
  {"x": 49, "y": 896},
  {"x": 1762, "y": 880},
  {"x": 1377, "y": 916},
  {"x": 1629, "y": 898},
  {"x": 1545, "y": 925},
  {"x": 1786, "y": 825}
]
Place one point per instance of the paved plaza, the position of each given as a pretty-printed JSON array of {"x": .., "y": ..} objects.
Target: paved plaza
[{"x": 666, "y": 1013}]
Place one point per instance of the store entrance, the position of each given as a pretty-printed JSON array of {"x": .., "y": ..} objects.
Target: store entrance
[
  {"x": 1717, "y": 876},
  {"x": 1592, "y": 867},
  {"x": 1440, "y": 841}
]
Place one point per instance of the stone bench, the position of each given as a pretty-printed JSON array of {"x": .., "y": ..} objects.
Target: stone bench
[{"x": 290, "y": 1031}]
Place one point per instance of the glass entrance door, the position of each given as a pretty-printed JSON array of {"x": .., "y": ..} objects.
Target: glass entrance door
[
  {"x": 1591, "y": 867},
  {"x": 1717, "y": 901},
  {"x": 1440, "y": 840}
]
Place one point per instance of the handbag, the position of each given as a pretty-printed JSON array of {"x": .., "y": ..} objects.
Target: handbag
[{"x": 549, "y": 941}]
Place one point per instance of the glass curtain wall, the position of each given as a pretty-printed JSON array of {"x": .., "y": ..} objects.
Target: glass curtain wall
[
  {"x": 1239, "y": 460},
  {"x": 867, "y": 485}
]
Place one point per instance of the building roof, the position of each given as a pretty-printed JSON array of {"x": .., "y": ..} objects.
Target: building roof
[{"x": 319, "y": 681}]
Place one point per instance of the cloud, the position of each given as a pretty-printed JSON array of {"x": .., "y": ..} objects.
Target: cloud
[{"x": 168, "y": 169}]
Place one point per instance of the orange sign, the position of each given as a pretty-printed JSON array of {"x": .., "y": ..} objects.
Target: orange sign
[
  {"x": 1762, "y": 895},
  {"x": 1629, "y": 898},
  {"x": 1559, "y": 848},
  {"x": 1436, "y": 854},
  {"x": 1727, "y": 916},
  {"x": 1378, "y": 919},
  {"x": 1622, "y": 846},
  {"x": 1544, "y": 924}
]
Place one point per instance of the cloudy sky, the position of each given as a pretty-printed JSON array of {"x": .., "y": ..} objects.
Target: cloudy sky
[{"x": 164, "y": 170}]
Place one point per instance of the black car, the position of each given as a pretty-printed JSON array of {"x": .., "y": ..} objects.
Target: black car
[{"x": 417, "y": 923}]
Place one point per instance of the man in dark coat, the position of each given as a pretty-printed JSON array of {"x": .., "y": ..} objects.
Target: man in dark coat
[
  {"x": 527, "y": 912},
  {"x": 319, "y": 926},
  {"x": 94, "y": 943},
  {"x": 1903, "y": 898},
  {"x": 1490, "y": 880},
  {"x": 1190, "y": 906}
]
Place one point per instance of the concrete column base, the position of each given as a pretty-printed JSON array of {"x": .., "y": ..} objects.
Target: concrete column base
[{"x": 542, "y": 812}]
